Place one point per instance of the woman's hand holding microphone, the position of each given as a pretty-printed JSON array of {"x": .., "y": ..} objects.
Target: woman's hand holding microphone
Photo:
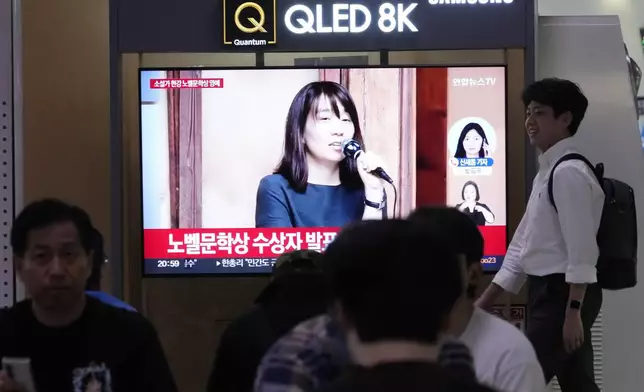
[{"x": 374, "y": 186}]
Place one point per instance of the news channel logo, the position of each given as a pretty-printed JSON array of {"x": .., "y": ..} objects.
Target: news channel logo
[{"x": 250, "y": 23}]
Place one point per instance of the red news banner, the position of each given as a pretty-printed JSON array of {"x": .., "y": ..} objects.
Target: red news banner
[
  {"x": 262, "y": 243},
  {"x": 165, "y": 84}
]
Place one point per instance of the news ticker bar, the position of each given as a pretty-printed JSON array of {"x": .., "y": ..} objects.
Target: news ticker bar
[
  {"x": 252, "y": 243},
  {"x": 241, "y": 266}
]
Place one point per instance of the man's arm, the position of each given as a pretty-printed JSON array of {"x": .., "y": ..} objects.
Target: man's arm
[
  {"x": 524, "y": 377},
  {"x": 511, "y": 276},
  {"x": 575, "y": 195}
]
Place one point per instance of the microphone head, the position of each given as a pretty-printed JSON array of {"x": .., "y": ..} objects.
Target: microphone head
[{"x": 350, "y": 148}]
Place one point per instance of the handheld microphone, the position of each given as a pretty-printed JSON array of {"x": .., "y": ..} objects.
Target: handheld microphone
[{"x": 352, "y": 149}]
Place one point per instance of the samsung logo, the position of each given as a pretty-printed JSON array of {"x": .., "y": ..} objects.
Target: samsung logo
[{"x": 472, "y": 2}]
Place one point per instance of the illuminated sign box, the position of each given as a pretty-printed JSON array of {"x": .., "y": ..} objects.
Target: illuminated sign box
[{"x": 370, "y": 25}]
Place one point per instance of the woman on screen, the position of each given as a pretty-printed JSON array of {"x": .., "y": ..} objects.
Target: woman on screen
[
  {"x": 472, "y": 143},
  {"x": 315, "y": 185},
  {"x": 479, "y": 212}
]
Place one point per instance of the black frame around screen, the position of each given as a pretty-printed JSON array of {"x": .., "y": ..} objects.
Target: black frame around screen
[{"x": 260, "y": 66}]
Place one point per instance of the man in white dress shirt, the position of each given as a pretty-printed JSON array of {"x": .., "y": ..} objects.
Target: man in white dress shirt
[
  {"x": 557, "y": 252},
  {"x": 503, "y": 357}
]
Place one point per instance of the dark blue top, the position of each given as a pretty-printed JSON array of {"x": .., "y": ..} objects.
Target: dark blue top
[{"x": 279, "y": 205}]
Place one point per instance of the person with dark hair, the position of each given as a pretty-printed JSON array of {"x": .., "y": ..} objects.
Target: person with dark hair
[
  {"x": 313, "y": 354},
  {"x": 315, "y": 185},
  {"x": 93, "y": 285},
  {"x": 503, "y": 357},
  {"x": 472, "y": 143},
  {"x": 394, "y": 304},
  {"x": 296, "y": 293},
  {"x": 556, "y": 250},
  {"x": 480, "y": 213},
  {"x": 63, "y": 332}
]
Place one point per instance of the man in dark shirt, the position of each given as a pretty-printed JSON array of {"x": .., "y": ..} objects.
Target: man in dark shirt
[
  {"x": 73, "y": 342},
  {"x": 296, "y": 293},
  {"x": 394, "y": 286}
]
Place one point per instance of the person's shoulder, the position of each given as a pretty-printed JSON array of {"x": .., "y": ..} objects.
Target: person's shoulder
[
  {"x": 15, "y": 315},
  {"x": 119, "y": 320},
  {"x": 243, "y": 327},
  {"x": 514, "y": 346},
  {"x": 303, "y": 341},
  {"x": 574, "y": 167},
  {"x": 273, "y": 181},
  {"x": 110, "y": 300}
]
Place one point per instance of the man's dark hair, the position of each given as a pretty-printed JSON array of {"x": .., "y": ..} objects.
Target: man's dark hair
[
  {"x": 98, "y": 259},
  {"x": 454, "y": 228},
  {"x": 394, "y": 280},
  {"x": 562, "y": 96},
  {"x": 298, "y": 262},
  {"x": 47, "y": 212}
]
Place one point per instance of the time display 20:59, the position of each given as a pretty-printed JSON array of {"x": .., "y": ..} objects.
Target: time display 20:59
[{"x": 168, "y": 263}]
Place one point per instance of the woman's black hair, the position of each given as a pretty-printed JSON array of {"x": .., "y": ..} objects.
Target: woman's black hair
[
  {"x": 460, "y": 150},
  {"x": 476, "y": 188},
  {"x": 293, "y": 165}
]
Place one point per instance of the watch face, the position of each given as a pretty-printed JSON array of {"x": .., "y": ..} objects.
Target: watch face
[{"x": 575, "y": 304}]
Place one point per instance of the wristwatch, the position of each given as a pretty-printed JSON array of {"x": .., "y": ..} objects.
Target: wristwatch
[
  {"x": 575, "y": 305},
  {"x": 377, "y": 206}
]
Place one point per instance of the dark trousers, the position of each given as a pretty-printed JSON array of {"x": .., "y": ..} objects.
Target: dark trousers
[{"x": 547, "y": 303}]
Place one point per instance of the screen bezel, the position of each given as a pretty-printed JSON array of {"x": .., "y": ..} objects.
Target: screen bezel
[{"x": 141, "y": 70}]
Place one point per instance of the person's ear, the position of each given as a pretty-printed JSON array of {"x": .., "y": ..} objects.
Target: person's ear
[
  {"x": 90, "y": 264},
  {"x": 19, "y": 263},
  {"x": 474, "y": 277},
  {"x": 566, "y": 119}
]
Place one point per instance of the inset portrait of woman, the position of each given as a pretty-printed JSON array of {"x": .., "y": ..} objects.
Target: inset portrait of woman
[
  {"x": 472, "y": 143},
  {"x": 315, "y": 185},
  {"x": 471, "y": 206}
]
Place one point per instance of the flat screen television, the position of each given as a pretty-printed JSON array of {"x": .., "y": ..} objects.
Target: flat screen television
[{"x": 241, "y": 165}]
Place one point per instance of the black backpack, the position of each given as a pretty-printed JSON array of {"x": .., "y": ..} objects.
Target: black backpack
[{"x": 617, "y": 234}]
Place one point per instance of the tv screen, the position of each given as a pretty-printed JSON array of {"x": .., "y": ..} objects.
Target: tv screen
[{"x": 241, "y": 165}]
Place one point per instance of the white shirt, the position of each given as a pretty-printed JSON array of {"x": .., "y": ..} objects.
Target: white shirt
[
  {"x": 547, "y": 242},
  {"x": 503, "y": 357}
]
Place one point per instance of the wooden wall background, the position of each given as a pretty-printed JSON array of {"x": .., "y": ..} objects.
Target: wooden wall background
[
  {"x": 66, "y": 155},
  {"x": 66, "y": 104}
]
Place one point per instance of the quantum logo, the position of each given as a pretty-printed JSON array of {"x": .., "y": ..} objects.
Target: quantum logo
[
  {"x": 256, "y": 25},
  {"x": 249, "y": 23}
]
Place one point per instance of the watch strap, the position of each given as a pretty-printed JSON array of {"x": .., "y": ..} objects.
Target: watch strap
[{"x": 378, "y": 206}]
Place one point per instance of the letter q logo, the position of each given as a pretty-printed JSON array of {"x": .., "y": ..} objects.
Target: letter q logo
[{"x": 256, "y": 25}]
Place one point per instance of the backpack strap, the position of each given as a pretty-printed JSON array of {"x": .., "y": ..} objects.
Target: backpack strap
[{"x": 567, "y": 157}]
